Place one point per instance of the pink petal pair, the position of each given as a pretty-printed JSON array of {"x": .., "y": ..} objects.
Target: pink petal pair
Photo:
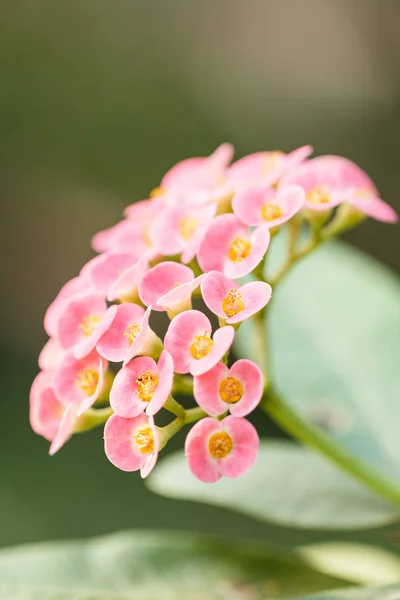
[
  {"x": 169, "y": 286},
  {"x": 73, "y": 286},
  {"x": 232, "y": 302},
  {"x": 79, "y": 381},
  {"x": 142, "y": 385},
  {"x": 49, "y": 417},
  {"x": 180, "y": 229},
  {"x": 50, "y": 354},
  {"x": 221, "y": 448},
  {"x": 115, "y": 274},
  {"x": 261, "y": 204},
  {"x": 238, "y": 389},
  {"x": 132, "y": 444},
  {"x": 84, "y": 319},
  {"x": 231, "y": 247},
  {"x": 189, "y": 342},
  {"x": 264, "y": 167},
  {"x": 128, "y": 335},
  {"x": 126, "y": 236}
]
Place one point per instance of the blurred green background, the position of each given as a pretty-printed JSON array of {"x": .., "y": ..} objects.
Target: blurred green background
[{"x": 97, "y": 100}]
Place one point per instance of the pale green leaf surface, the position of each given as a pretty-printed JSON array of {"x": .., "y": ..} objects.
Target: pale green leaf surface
[
  {"x": 152, "y": 566},
  {"x": 289, "y": 485}
]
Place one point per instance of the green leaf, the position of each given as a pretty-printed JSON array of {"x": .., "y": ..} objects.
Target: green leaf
[
  {"x": 149, "y": 566},
  {"x": 289, "y": 485},
  {"x": 381, "y": 593}
]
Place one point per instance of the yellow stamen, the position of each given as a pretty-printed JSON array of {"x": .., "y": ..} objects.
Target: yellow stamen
[
  {"x": 87, "y": 380},
  {"x": 220, "y": 444},
  {"x": 233, "y": 303},
  {"x": 230, "y": 390},
  {"x": 271, "y": 161},
  {"x": 156, "y": 192},
  {"x": 131, "y": 332},
  {"x": 146, "y": 385},
  {"x": 318, "y": 195},
  {"x": 269, "y": 212},
  {"x": 239, "y": 249},
  {"x": 89, "y": 324},
  {"x": 201, "y": 346},
  {"x": 187, "y": 226},
  {"x": 144, "y": 439}
]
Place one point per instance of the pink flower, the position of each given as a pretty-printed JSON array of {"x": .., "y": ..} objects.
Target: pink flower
[
  {"x": 132, "y": 444},
  {"x": 264, "y": 167},
  {"x": 321, "y": 183},
  {"x": 82, "y": 322},
  {"x": 79, "y": 381},
  {"x": 260, "y": 204},
  {"x": 231, "y": 302},
  {"x": 48, "y": 416},
  {"x": 358, "y": 189},
  {"x": 142, "y": 385},
  {"x": 72, "y": 287},
  {"x": 104, "y": 270},
  {"x": 169, "y": 286},
  {"x": 189, "y": 342},
  {"x": 128, "y": 335},
  {"x": 51, "y": 353},
  {"x": 199, "y": 173},
  {"x": 180, "y": 229},
  {"x": 230, "y": 246},
  {"x": 221, "y": 448},
  {"x": 126, "y": 236},
  {"x": 238, "y": 389},
  {"x": 144, "y": 211}
]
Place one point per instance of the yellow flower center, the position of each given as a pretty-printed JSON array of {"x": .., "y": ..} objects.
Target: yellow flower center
[
  {"x": 220, "y": 444},
  {"x": 233, "y": 303},
  {"x": 156, "y": 192},
  {"x": 131, "y": 332},
  {"x": 318, "y": 195},
  {"x": 201, "y": 346},
  {"x": 271, "y": 161},
  {"x": 89, "y": 324},
  {"x": 270, "y": 211},
  {"x": 146, "y": 385},
  {"x": 144, "y": 439},
  {"x": 230, "y": 390},
  {"x": 87, "y": 380},
  {"x": 239, "y": 249},
  {"x": 187, "y": 226}
]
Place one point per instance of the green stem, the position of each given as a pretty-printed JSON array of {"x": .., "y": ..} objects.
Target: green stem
[
  {"x": 306, "y": 433},
  {"x": 183, "y": 385},
  {"x": 174, "y": 407},
  {"x": 191, "y": 415},
  {"x": 261, "y": 352},
  {"x": 294, "y": 257},
  {"x": 92, "y": 418}
]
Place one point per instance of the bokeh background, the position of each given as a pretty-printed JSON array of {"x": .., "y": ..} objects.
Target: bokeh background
[{"x": 97, "y": 100}]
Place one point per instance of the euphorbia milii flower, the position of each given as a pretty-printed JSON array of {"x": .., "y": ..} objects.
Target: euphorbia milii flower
[
  {"x": 180, "y": 229},
  {"x": 169, "y": 286},
  {"x": 231, "y": 247},
  {"x": 132, "y": 444},
  {"x": 51, "y": 353},
  {"x": 261, "y": 204},
  {"x": 73, "y": 286},
  {"x": 358, "y": 189},
  {"x": 232, "y": 302},
  {"x": 126, "y": 236},
  {"x": 79, "y": 381},
  {"x": 199, "y": 173},
  {"x": 264, "y": 167},
  {"x": 189, "y": 342},
  {"x": 144, "y": 211},
  {"x": 49, "y": 417},
  {"x": 127, "y": 285},
  {"x": 104, "y": 270},
  {"x": 129, "y": 334},
  {"x": 238, "y": 389},
  {"x": 221, "y": 448},
  {"x": 82, "y": 323},
  {"x": 142, "y": 385},
  {"x": 322, "y": 185}
]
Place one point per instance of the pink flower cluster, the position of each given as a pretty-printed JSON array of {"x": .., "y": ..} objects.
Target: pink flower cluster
[{"x": 208, "y": 224}]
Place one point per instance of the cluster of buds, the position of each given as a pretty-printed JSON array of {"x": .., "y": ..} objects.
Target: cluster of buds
[{"x": 209, "y": 224}]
